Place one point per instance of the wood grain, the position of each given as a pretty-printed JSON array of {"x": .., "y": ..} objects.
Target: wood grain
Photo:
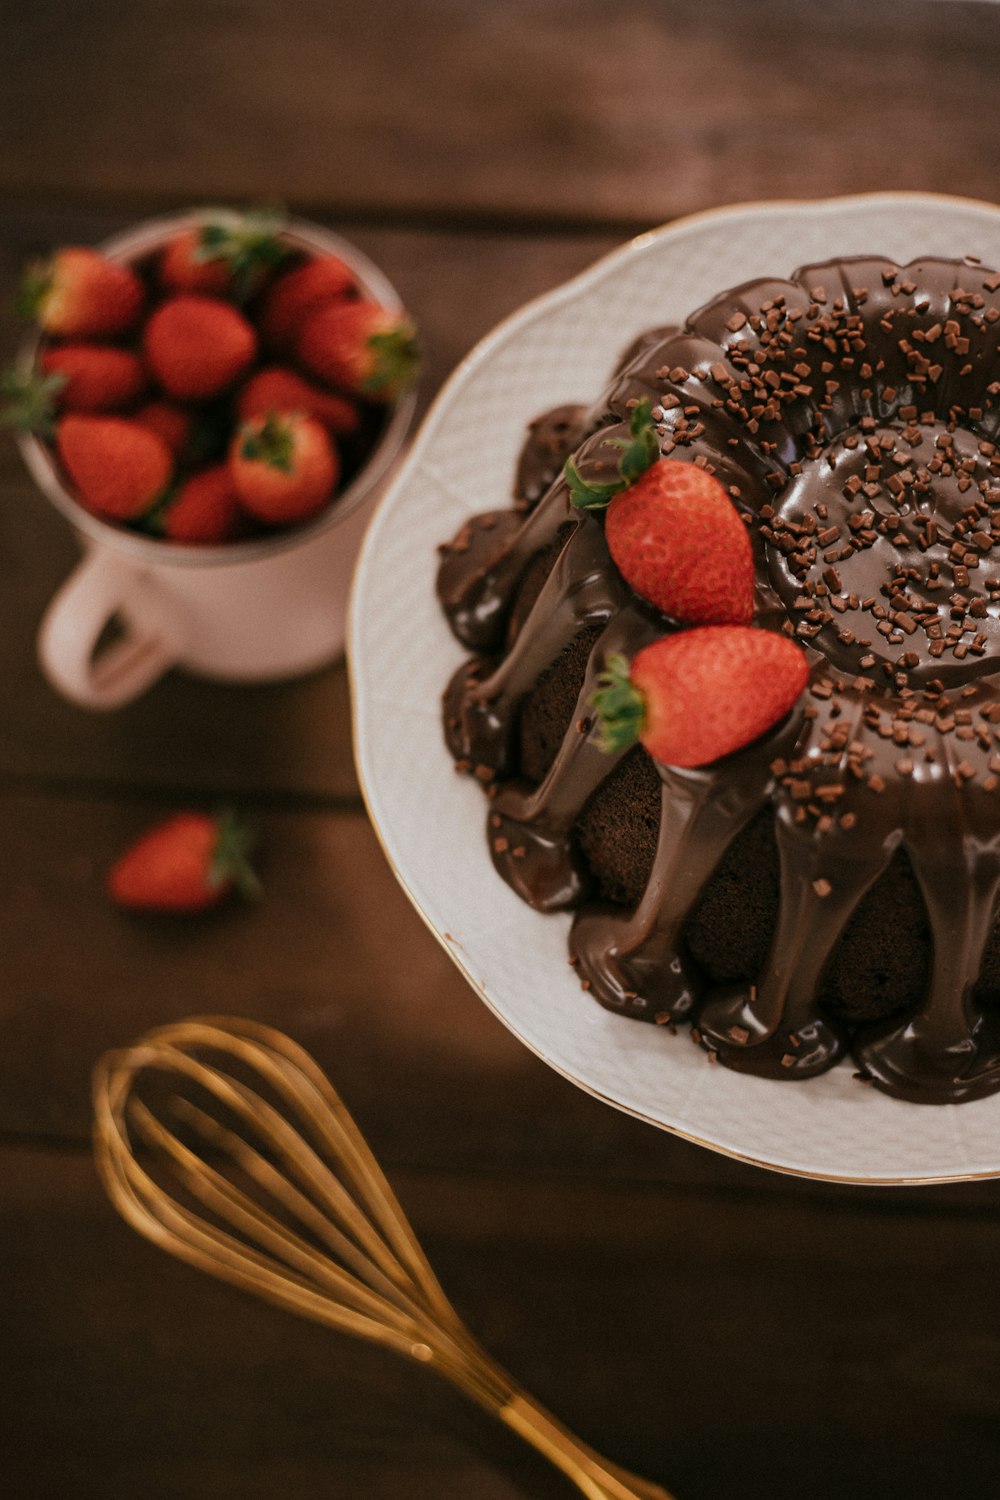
[
  {"x": 567, "y": 112},
  {"x": 721, "y": 1351}
]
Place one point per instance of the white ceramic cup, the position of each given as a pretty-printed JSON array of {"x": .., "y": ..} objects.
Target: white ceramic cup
[{"x": 253, "y": 611}]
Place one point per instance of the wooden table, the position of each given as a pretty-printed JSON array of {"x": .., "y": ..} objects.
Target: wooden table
[{"x": 725, "y": 1330}]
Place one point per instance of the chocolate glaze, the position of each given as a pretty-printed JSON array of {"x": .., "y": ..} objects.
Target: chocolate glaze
[{"x": 851, "y": 412}]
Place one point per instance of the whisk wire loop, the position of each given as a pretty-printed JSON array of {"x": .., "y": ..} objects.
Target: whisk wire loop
[{"x": 322, "y": 1236}]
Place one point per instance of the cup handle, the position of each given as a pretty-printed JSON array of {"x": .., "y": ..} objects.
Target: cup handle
[{"x": 102, "y": 587}]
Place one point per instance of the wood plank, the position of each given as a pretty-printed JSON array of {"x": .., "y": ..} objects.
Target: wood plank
[
  {"x": 784, "y": 1351},
  {"x": 554, "y": 112}
]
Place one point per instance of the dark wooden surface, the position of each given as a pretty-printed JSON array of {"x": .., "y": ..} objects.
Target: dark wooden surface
[{"x": 726, "y": 1330}]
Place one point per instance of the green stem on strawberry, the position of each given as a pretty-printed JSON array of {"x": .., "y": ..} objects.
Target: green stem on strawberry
[
  {"x": 619, "y": 707},
  {"x": 395, "y": 357},
  {"x": 271, "y": 443},
  {"x": 36, "y": 282},
  {"x": 29, "y": 401},
  {"x": 640, "y": 450},
  {"x": 152, "y": 521},
  {"x": 231, "y": 859},
  {"x": 250, "y": 246}
]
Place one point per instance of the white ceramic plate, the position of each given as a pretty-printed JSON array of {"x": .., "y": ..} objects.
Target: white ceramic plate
[{"x": 432, "y": 822}]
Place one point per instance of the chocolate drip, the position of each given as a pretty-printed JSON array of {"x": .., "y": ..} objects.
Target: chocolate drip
[
  {"x": 850, "y": 411},
  {"x": 531, "y": 828},
  {"x": 579, "y": 589},
  {"x": 633, "y": 962},
  {"x": 481, "y": 569},
  {"x": 950, "y": 1048}
]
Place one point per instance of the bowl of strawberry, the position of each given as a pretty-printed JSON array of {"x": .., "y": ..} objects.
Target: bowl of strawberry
[
  {"x": 208, "y": 390},
  {"x": 210, "y": 379}
]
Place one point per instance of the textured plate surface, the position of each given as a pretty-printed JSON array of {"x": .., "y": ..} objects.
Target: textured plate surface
[{"x": 432, "y": 822}]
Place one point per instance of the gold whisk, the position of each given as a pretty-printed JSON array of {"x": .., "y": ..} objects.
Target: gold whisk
[{"x": 297, "y": 1210}]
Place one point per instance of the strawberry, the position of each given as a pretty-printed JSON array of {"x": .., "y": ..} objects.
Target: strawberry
[
  {"x": 117, "y": 467},
  {"x": 361, "y": 347},
  {"x": 98, "y": 378},
  {"x": 297, "y": 293},
  {"x": 227, "y": 256},
  {"x": 185, "y": 864},
  {"x": 700, "y": 694},
  {"x": 276, "y": 388},
  {"x": 70, "y": 377},
  {"x": 182, "y": 267},
  {"x": 672, "y": 531},
  {"x": 198, "y": 346},
  {"x": 205, "y": 509},
  {"x": 284, "y": 467},
  {"x": 173, "y": 424},
  {"x": 80, "y": 294}
]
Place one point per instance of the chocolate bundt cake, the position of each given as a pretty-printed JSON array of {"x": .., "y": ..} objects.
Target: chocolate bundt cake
[{"x": 830, "y": 888}]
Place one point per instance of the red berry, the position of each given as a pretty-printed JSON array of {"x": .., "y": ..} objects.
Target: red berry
[
  {"x": 229, "y": 255},
  {"x": 98, "y": 378},
  {"x": 197, "y": 347},
  {"x": 206, "y": 508},
  {"x": 678, "y": 540},
  {"x": 299, "y": 292},
  {"x": 173, "y": 424},
  {"x": 185, "y": 864},
  {"x": 182, "y": 268},
  {"x": 80, "y": 294},
  {"x": 276, "y": 388},
  {"x": 360, "y": 347},
  {"x": 284, "y": 467},
  {"x": 693, "y": 697},
  {"x": 117, "y": 467}
]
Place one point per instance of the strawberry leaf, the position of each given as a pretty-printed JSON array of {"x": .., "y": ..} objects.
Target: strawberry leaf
[
  {"x": 231, "y": 860},
  {"x": 249, "y": 246},
  {"x": 619, "y": 707},
  {"x": 35, "y": 286},
  {"x": 152, "y": 521},
  {"x": 29, "y": 401},
  {"x": 586, "y": 495},
  {"x": 395, "y": 357},
  {"x": 640, "y": 450},
  {"x": 270, "y": 443}
]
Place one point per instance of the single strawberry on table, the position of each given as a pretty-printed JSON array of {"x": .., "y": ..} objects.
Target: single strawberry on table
[
  {"x": 228, "y": 255},
  {"x": 296, "y": 293},
  {"x": 673, "y": 532},
  {"x": 117, "y": 467},
  {"x": 284, "y": 467},
  {"x": 695, "y": 696},
  {"x": 277, "y": 388},
  {"x": 77, "y": 293},
  {"x": 360, "y": 346},
  {"x": 197, "y": 347},
  {"x": 186, "y": 863}
]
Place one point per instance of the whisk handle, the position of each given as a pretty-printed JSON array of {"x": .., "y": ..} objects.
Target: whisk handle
[{"x": 593, "y": 1475}]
